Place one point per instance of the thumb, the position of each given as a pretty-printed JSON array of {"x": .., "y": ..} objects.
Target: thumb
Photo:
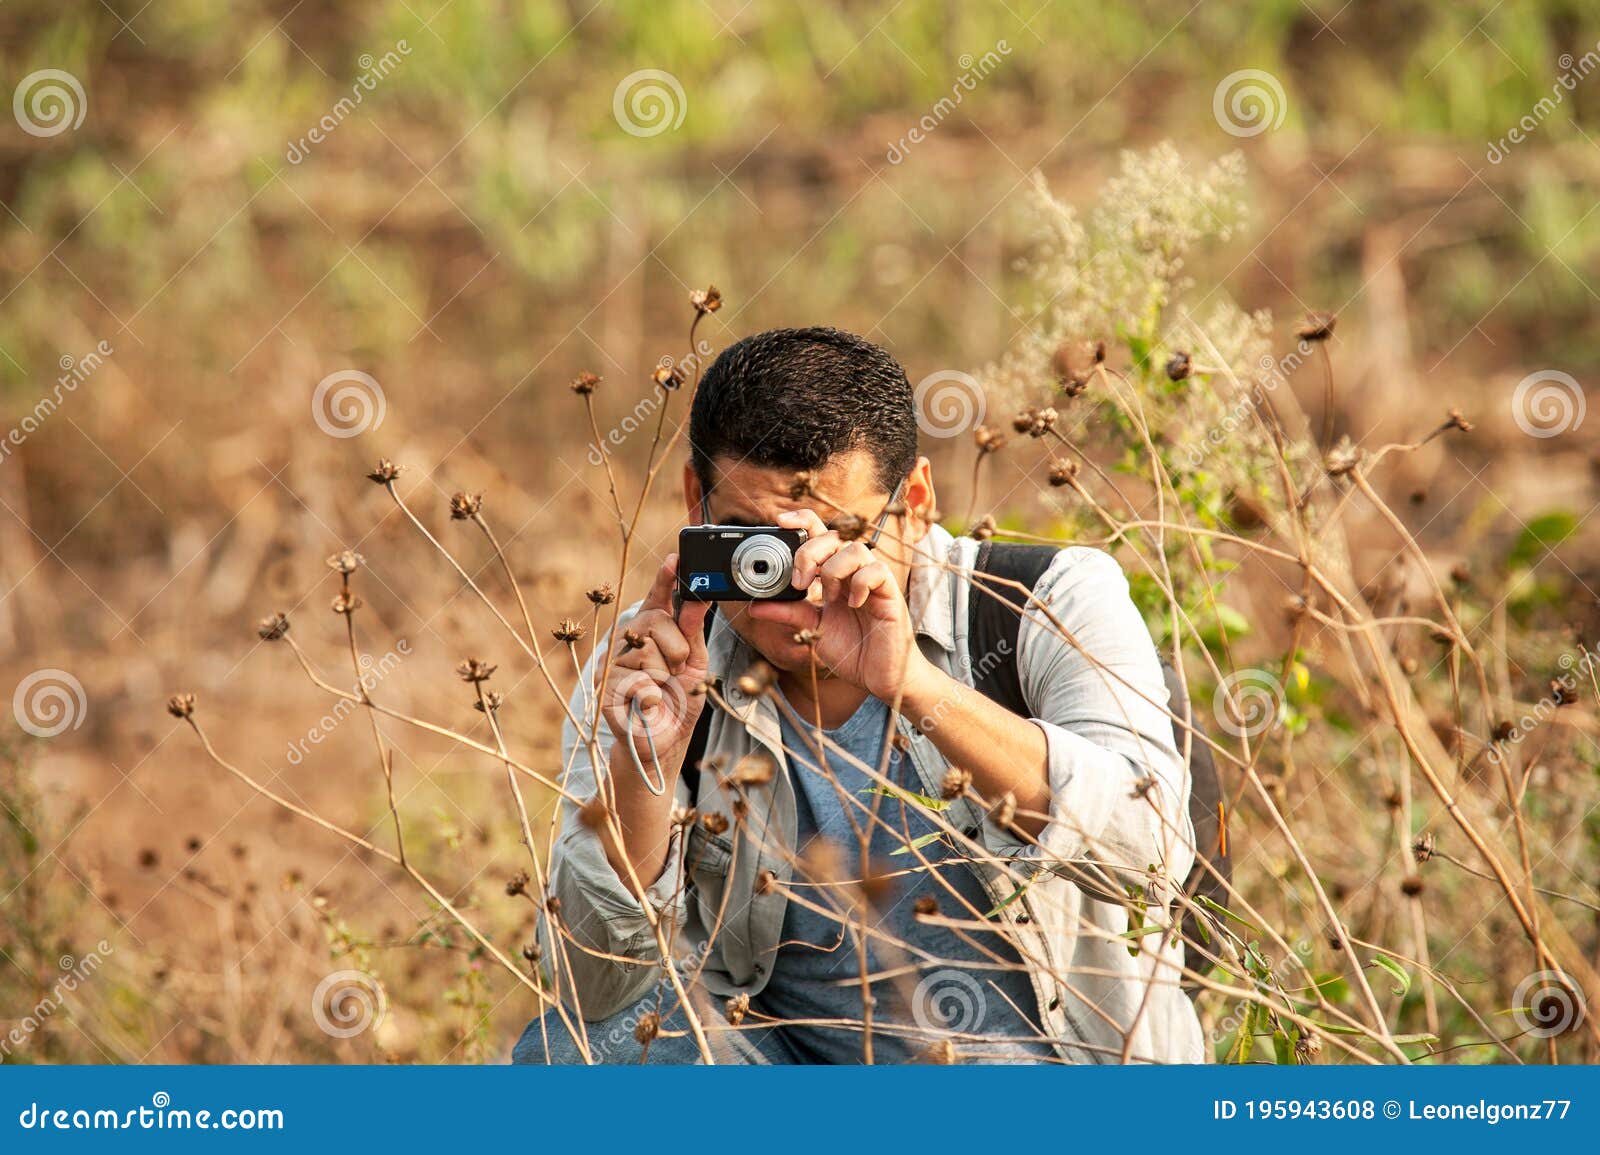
[{"x": 692, "y": 624}]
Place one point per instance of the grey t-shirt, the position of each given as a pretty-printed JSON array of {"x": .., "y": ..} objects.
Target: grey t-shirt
[{"x": 966, "y": 985}]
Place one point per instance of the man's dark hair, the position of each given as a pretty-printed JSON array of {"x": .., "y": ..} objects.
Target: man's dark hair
[{"x": 793, "y": 398}]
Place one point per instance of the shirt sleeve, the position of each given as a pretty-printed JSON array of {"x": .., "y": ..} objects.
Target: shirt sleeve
[
  {"x": 1092, "y": 679},
  {"x": 596, "y": 909}
]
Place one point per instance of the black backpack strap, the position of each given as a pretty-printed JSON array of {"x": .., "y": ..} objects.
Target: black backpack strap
[
  {"x": 994, "y": 616},
  {"x": 994, "y": 625}
]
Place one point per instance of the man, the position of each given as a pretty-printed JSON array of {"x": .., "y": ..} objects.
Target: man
[{"x": 883, "y": 865}]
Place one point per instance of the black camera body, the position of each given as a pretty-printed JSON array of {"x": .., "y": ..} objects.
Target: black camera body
[{"x": 738, "y": 563}]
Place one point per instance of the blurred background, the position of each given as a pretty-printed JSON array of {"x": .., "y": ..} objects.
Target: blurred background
[{"x": 248, "y": 248}]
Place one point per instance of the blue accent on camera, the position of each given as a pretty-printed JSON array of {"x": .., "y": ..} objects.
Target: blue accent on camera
[{"x": 708, "y": 583}]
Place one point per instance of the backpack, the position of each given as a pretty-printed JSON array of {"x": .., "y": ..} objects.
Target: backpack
[{"x": 994, "y": 626}]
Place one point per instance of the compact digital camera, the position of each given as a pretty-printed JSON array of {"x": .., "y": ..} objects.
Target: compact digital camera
[{"x": 738, "y": 563}]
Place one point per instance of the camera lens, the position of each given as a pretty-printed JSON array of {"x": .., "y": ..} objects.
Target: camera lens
[{"x": 762, "y": 565}]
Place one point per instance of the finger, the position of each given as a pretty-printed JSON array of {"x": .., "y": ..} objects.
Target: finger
[
  {"x": 660, "y": 595},
  {"x": 841, "y": 567},
  {"x": 866, "y": 581},
  {"x": 669, "y": 640},
  {"x": 796, "y": 615},
  {"x": 812, "y": 556},
  {"x": 692, "y": 624}
]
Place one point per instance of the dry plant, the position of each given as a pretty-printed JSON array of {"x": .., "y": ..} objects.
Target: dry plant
[{"x": 1381, "y": 807}]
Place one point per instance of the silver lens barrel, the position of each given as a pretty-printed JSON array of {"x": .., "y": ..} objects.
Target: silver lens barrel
[{"x": 762, "y": 565}]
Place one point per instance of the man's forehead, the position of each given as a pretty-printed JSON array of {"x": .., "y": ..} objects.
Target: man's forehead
[{"x": 743, "y": 488}]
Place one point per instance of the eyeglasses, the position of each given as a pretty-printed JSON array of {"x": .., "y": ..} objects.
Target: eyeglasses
[{"x": 877, "y": 526}]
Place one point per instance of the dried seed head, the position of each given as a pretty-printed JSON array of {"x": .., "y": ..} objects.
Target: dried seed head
[
  {"x": 1422, "y": 848},
  {"x": 1411, "y": 885},
  {"x": 807, "y": 637},
  {"x": 668, "y": 376},
  {"x": 877, "y": 885},
  {"x": 532, "y": 952},
  {"x": 602, "y": 595},
  {"x": 1307, "y": 1047},
  {"x": 736, "y": 1009},
  {"x": 1005, "y": 811},
  {"x": 1454, "y": 420},
  {"x": 553, "y": 905},
  {"x": 765, "y": 882},
  {"x": 955, "y": 784},
  {"x": 1074, "y": 362},
  {"x": 989, "y": 440},
  {"x": 272, "y": 627},
  {"x": 568, "y": 631},
  {"x": 926, "y": 906},
  {"x": 632, "y": 640},
  {"x": 1460, "y": 574},
  {"x": 753, "y": 770},
  {"x": 464, "y": 506},
  {"x": 593, "y": 813},
  {"x": 714, "y": 823},
  {"x": 493, "y": 699},
  {"x": 985, "y": 528},
  {"x": 517, "y": 884},
  {"x": 682, "y": 816},
  {"x": 757, "y": 679},
  {"x": 940, "y": 1053},
  {"x": 849, "y": 527},
  {"x": 1178, "y": 367},
  {"x": 649, "y": 1026},
  {"x": 900, "y": 742},
  {"x": 1342, "y": 458},
  {"x": 1503, "y": 731},
  {"x": 706, "y": 300},
  {"x": 474, "y": 671},
  {"x": 1062, "y": 472},
  {"x": 346, "y": 561},
  {"x": 1316, "y": 327},
  {"x": 386, "y": 472},
  {"x": 181, "y": 705},
  {"x": 346, "y": 603},
  {"x": 1561, "y": 693},
  {"x": 800, "y": 485},
  {"x": 585, "y": 383}
]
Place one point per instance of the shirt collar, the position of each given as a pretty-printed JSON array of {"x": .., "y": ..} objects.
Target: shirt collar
[{"x": 930, "y": 594}]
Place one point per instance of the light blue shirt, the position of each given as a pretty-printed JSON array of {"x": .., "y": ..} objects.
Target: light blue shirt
[{"x": 969, "y": 985}]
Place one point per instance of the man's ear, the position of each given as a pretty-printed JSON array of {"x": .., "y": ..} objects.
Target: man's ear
[
  {"x": 691, "y": 492},
  {"x": 921, "y": 503}
]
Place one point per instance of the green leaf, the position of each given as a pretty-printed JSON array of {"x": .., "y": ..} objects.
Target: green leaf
[
  {"x": 918, "y": 843},
  {"x": 1283, "y": 1049},
  {"x": 1012, "y": 897},
  {"x": 1218, "y": 908},
  {"x": 1401, "y": 976},
  {"x": 1543, "y": 533},
  {"x": 908, "y": 796}
]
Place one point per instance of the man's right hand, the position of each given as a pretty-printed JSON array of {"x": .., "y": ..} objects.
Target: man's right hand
[{"x": 659, "y": 662}]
